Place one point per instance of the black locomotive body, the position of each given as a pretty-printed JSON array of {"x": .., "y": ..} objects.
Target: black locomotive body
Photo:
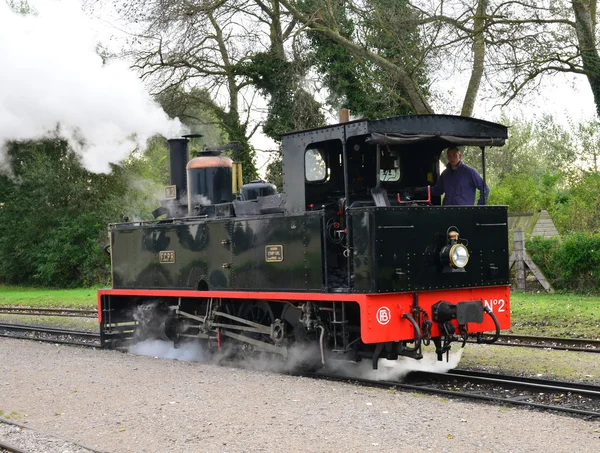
[{"x": 354, "y": 260}]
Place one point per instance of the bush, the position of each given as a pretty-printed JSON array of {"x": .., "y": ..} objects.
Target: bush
[
  {"x": 579, "y": 207},
  {"x": 521, "y": 192},
  {"x": 572, "y": 264},
  {"x": 54, "y": 216}
]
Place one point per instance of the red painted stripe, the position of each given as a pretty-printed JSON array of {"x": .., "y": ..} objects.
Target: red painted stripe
[{"x": 373, "y": 307}]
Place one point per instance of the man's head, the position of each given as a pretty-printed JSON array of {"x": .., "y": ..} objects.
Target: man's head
[{"x": 454, "y": 156}]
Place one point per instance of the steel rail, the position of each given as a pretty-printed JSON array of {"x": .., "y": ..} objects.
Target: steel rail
[
  {"x": 73, "y": 312},
  {"x": 419, "y": 381},
  {"x": 527, "y": 382},
  {"x": 557, "y": 339},
  {"x": 51, "y": 331},
  {"x": 11, "y": 448},
  {"x": 50, "y": 340},
  {"x": 556, "y": 343},
  {"x": 422, "y": 381},
  {"x": 29, "y": 328},
  {"x": 24, "y": 428}
]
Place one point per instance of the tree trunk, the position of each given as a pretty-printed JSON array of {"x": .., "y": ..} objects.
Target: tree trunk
[
  {"x": 478, "y": 58},
  {"x": 585, "y": 25}
]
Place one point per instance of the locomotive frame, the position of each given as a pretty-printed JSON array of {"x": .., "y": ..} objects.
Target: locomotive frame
[{"x": 354, "y": 260}]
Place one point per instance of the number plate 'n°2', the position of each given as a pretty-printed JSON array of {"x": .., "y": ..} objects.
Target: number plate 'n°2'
[{"x": 167, "y": 256}]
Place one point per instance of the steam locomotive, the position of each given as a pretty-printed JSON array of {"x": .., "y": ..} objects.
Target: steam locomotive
[{"x": 355, "y": 260}]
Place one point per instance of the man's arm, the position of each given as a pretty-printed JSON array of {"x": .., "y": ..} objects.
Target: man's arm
[
  {"x": 478, "y": 181},
  {"x": 439, "y": 189}
]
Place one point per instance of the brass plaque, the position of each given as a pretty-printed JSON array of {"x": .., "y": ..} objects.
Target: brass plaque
[
  {"x": 170, "y": 192},
  {"x": 167, "y": 256},
  {"x": 273, "y": 253}
]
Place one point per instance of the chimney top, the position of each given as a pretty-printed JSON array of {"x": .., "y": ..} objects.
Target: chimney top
[{"x": 344, "y": 115}]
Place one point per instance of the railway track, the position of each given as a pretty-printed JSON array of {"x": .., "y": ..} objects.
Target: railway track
[
  {"x": 541, "y": 342},
  {"x": 567, "y": 397},
  {"x": 523, "y": 341},
  {"x": 34, "y": 311},
  {"x": 24, "y": 439},
  {"x": 51, "y": 335},
  {"x": 511, "y": 340}
]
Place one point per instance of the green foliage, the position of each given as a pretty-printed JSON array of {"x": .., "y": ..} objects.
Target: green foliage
[
  {"x": 578, "y": 207},
  {"x": 290, "y": 107},
  {"x": 570, "y": 264},
  {"x": 387, "y": 28},
  {"x": 54, "y": 214},
  {"x": 589, "y": 133},
  {"x": 50, "y": 189},
  {"x": 20, "y": 6},
  {"x": 540, "y": 147},
  {"x": 274, "y": 173},
  {"x": 519, "y": 191},
  {"x": 547, "y": 166}
]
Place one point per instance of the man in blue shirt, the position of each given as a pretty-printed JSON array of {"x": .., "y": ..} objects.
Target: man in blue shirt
[{"x": 459, "y": 182}]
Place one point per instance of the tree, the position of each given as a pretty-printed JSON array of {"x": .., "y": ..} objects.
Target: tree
[
  {"x": 578, "y": 210},
  {"x": 194, "y": 48},
  {"x": 535, "y": 147},
  {"x": 589, "y": 149},
  {"x": 189, "y": 107},
  {"x": 359, "y": 84},
  {"x": 54, "y": 213},
  {"x": 324, "y": 20}
]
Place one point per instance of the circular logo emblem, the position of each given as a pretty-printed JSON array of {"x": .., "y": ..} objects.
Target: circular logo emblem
[{"x": 384, "y": 316}]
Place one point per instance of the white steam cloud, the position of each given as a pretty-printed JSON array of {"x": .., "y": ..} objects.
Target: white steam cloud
[
  {"x": 298, "y": 359},
  {"x": 52, "y": 80},
  {"x": 188, "y": 352},
  {"x": 396, "y": 370}
]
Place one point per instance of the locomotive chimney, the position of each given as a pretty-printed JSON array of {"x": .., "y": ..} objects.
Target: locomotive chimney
[{"x": 178, "y": 157}]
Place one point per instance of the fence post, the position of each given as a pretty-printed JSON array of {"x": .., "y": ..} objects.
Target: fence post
[{"x": 519, "y": 258}]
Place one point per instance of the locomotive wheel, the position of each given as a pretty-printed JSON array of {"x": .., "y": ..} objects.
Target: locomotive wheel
[{"x": 260, "y": 312}]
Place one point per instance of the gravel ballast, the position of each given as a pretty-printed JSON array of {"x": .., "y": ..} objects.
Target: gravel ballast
[{"x": 117, "y": 402}]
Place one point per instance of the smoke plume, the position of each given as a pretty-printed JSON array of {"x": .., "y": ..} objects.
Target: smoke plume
[{"x": 54, "y": 83}]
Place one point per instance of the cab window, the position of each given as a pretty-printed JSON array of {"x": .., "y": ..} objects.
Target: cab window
[
  {"x": 389, "y": 166},
  {"x": 315, "y": 167}
]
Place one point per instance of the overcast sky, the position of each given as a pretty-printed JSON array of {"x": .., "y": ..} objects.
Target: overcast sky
[{"x": 52, "y": 75}]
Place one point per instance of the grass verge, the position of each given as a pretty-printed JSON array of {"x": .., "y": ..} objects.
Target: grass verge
[
  {"x": 48, "y": 298},
  {"x": 555, "y": 315}
]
